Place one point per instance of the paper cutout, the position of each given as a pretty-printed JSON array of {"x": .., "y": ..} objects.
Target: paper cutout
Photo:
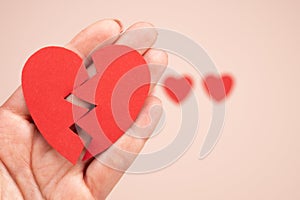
[
  {"x": 218, "y": 87},
  {"x": 178, "y": 88},
  {"x": 48, "y": 77},
  {"x": 113, "y": 63},
  {"x": 52, "y": 73}
]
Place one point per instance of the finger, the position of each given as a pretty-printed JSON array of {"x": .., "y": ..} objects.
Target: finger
[
  {"x": 95, "y": 34},
  {"x": 82, "y": 44},
  {"x": 157, "y": 61},
  {"x": 140, "y": 36},
  {"x": 101, "y": 178}
]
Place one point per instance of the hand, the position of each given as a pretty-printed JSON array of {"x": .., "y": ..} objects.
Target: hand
[{"x": 31, "y": 169}]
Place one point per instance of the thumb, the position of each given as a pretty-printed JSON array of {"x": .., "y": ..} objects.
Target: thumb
[{"x": 16, "y": 104}]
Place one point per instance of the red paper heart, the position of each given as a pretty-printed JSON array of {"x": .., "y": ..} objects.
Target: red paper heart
[
  {"x": 178, "y": 88},
  {"x": 52, "y": 73},
  {"x": 218, "y": 87},
  {"x": 128, "y": 68},
  {"x": 48, "y": 77}
]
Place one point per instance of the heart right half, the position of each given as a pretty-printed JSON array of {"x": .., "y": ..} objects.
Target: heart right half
[{"x": 218, "y": 87}]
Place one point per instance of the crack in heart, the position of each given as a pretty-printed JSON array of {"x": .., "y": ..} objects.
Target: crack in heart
[{"x": 56, "y": 72}]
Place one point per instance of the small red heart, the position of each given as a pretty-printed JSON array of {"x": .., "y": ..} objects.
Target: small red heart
[
  {"x": 178, "y": 88},
  {"x": 52, "y": 73},
  {"x": 218, "y": 87}
]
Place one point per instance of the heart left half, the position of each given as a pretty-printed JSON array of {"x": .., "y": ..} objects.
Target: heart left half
[{"x": 48, "y": 77}]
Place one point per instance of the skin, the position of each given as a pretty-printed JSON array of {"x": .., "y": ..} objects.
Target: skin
[{"x": 31, "y": 169}]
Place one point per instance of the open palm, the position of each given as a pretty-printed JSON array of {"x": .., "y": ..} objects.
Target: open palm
[{"x": 31, "y": 169}]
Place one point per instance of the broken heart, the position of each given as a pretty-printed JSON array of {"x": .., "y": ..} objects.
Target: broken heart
[{"x": 52, "y": 73}]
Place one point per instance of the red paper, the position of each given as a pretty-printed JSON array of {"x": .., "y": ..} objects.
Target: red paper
[
  {"x": 52, "y": 73},
  {"x": 48, "y": 77},
  {"x": 122, "y": 69}
]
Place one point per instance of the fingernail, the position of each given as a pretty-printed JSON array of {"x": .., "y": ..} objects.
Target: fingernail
[{"x": 120, "y": 23}]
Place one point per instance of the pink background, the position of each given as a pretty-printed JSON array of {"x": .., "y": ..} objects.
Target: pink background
[{"x": 257, "y": 41}]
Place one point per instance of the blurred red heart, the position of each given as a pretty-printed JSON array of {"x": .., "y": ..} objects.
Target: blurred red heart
[
  {"x": 218, "y": 87},
  {"x": 178, "y": 88}
]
